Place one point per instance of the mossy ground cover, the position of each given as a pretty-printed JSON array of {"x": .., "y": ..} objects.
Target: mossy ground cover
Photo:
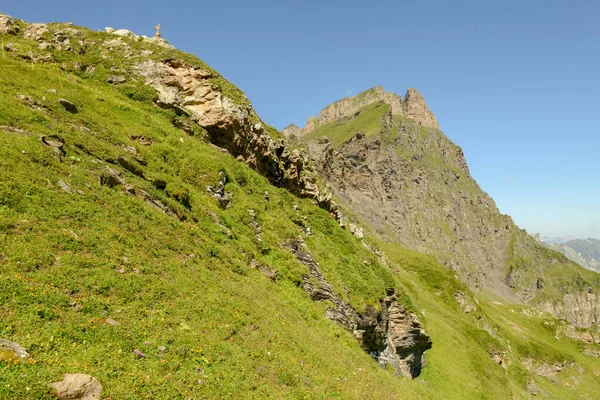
[{"x": 180, "y": 286}]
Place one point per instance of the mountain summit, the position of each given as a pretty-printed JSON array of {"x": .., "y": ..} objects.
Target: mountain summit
[{"x": 413, "y": 106}]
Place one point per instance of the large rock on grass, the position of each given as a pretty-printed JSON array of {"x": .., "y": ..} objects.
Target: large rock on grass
[{"x": 77, "y": 387}]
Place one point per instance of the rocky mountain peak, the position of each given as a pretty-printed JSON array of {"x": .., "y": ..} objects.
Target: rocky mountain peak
[{"x": 413, "y": 106}]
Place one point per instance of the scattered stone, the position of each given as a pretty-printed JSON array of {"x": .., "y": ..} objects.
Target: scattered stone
[
  {"x": 123, "y": 33},
  {"x": 111, "y": 178},
  {"x": 56, "y": 143},
  {"x": 162, "y": 349},
  {"x": 465, "y": 302},
  {"x": 116, "y": 80},
  {"x": 12, "y": 129},
  {"x": 254, "y": 224},
  {"x": 544, "y": 369},
  {"x": 270, "y": 273},
  {"x": 129, "y": 166},
  {"x": 356, "y": 231},
  {"x": 266, "y": 196},
  {"x": 499, "y": 357},
  {"x": 8, "y": 25},
  {"x": 144, "y": 141},
  {"x": 219, "y": 192},
  {"x": 64, "y": 186},
  {"x": 46, "y": 46},
  {"x": 11, "y": 48},
  {"x": 35, "y": 31},
  {"x": 111, "y": 322},
  {"x": 11, "y": 350},
  {"x": 129, "y": 189},
  {"x": 70, "y": 107},
  {"x": 540, "y": 283},
  {"x": 31, "y": 102},
  {"x": 532, "y": 388},
  {"x": 77, "y": 387}
]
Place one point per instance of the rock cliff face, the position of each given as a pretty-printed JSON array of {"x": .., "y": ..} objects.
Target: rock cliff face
[
  {"x": 411, "y": 185},
  {"x": 413, "y": 106},
  {"x": 189, "y": 91},
  {"x": 392, "y": 336},
  {"x": 415, "y": 188},
  {"x": 582, "y": 309}
]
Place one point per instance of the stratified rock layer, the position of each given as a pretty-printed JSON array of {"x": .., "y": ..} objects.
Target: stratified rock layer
[{"x": 392, "y": 336}]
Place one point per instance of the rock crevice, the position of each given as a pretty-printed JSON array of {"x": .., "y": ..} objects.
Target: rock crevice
[{"x": 392, "y": 336}]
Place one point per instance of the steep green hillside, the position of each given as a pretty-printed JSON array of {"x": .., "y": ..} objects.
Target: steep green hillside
[{"x": 135, "y": 250}]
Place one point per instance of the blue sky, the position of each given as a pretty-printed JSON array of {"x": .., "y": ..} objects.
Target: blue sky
[{"x": 514, "y": 83}]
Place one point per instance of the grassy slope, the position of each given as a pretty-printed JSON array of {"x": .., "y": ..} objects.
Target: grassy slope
[
  {"x": 68, "y": 261},
  {"x": 368, "y": 122}
]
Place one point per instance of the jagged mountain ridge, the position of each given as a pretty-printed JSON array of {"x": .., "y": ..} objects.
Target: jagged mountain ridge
[
  {"x": 142, "y": 246},
  {"x": 413, "y": 106},
  {"x": 406, "y": 180}
]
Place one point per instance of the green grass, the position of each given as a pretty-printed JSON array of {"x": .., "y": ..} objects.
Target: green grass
[
  {"x": 367, "y": 122},
  {"x": 69, "y": 261}
]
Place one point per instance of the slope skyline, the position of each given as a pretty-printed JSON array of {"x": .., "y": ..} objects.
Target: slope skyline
[{"x": 508, "y": 86}]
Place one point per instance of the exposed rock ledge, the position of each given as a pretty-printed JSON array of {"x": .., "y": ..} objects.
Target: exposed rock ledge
[
  {"x": 392, "y": 336},
  {"x": 188, "y": 90},
  {"x": 413, "y": 106}
]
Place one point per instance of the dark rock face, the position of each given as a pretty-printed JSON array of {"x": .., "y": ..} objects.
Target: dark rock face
[
  {"x": 414, "y": 186},
  {"x": 392, "y": 336},
  {"x": 411, "y": 184},
  {"x": 395, "y": 337}
]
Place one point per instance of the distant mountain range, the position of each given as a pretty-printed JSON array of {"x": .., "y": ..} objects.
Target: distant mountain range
[{"x": 585, "y": 252}]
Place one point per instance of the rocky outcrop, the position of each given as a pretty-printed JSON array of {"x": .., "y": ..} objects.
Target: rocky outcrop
[
  {"x": 234, "y": 126},
  {"x": 11, "y": 350},
  {"x": 544, "y": 369},
  {"x": 413, "y": 106},
  {"x": 465, "y": 302},
  {"x": 319, "y": 289},
  {"x": 77, "y": 387},
  {"x": 582, "y": 335},
  {"x": 392, "y": 336},
  {"x": 292, "y": 131},
  {"x": 582, "y": 309},
  {"x": 8, "y": 25}
]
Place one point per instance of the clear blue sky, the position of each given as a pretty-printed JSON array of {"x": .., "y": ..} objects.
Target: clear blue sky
[{"x": 514, "y": 83}]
